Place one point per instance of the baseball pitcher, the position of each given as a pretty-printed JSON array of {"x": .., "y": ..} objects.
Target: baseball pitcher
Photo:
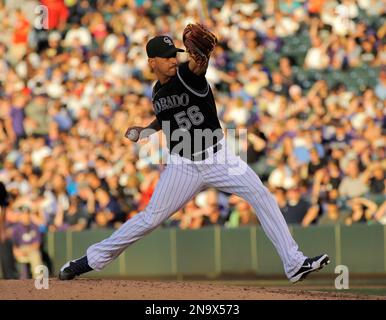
[{"x": 185, "y": 110}]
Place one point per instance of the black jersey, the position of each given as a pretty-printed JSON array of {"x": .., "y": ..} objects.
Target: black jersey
[{"x": 186, "y": 110}]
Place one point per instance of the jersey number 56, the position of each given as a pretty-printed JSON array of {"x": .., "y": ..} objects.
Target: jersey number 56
[{"x": 191, "y": 116}]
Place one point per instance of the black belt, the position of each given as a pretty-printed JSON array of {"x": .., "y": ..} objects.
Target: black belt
[{"x": 203, "y": 155}]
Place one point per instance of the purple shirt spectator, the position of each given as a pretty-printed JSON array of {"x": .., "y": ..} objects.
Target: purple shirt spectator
[
  {"x": 17, "y": 115},
  {"x": 26, "y": 234},
  {"x": 271, "y": 41}
]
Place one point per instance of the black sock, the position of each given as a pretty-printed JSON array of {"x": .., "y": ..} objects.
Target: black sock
[{"x": 81, "y": 265}]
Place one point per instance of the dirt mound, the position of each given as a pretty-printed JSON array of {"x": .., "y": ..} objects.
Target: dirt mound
[{"x": 92, "y": 289}]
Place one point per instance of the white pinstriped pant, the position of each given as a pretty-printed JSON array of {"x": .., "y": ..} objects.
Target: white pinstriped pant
[{"x": 180, "y": 181}]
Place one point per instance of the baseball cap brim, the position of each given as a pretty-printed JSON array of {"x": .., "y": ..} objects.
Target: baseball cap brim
[{"x": 170, "y": 53}]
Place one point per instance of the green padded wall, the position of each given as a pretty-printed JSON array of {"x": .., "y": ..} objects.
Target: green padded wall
[
  {"x": 152, "y": 255},
  {"x": 236, "y": 250},
  {"x": 196, "y": 251},
  {"x": 213, "y": 251},
  {"x": 268, "y": 260},
  {"x": 363, "y": 248}
]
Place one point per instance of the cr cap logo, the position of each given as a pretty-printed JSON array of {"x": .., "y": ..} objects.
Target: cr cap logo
[{"x": 168, "y": 41}]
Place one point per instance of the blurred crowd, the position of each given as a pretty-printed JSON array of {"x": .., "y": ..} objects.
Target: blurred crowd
[{"x": 69, "y": 92}]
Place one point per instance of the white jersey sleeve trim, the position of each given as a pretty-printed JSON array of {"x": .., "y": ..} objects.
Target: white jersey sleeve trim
[{"x": 191, "y": 89}]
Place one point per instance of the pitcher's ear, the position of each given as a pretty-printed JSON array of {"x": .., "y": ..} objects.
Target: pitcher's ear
[{"x": 151, "y": 62}]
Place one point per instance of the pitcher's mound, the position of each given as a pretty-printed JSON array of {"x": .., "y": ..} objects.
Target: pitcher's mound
[{"x": 85, "y": 289}]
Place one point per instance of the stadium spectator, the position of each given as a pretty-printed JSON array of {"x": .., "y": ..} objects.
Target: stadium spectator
[
  {"x": 353, "y": 185},
  {"x": 192, "y": 216},
  {"x": 20, "y": 37},
  {"x": 316, "y": 57},
  {"x": 57, "y": 13},
  {"x": 380, "y": 88},
  {"x": 363, "y": 211},
  {"x": 27, "y": 240},
  {"x": 7, "y": 259},
  {"x": 73, "y": 219},
  {"x": 242, "y": 214},
  {"x": 108, "y": 212},
  {"x": 296, "y": 207}
]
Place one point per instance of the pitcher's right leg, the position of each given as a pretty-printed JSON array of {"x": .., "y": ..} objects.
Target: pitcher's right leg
[{"x": 177, "y": 185}]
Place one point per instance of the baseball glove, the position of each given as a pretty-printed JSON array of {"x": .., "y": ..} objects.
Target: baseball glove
[{"x": 199, "y": 41}]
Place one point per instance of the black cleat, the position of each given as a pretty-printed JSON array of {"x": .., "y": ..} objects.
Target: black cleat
[
  {"x": 310, "y": 265},
  {"x": 74, "y": 268}
]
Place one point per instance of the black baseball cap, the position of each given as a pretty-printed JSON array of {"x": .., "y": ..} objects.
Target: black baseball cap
[{"x": 161, "y": 46}]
